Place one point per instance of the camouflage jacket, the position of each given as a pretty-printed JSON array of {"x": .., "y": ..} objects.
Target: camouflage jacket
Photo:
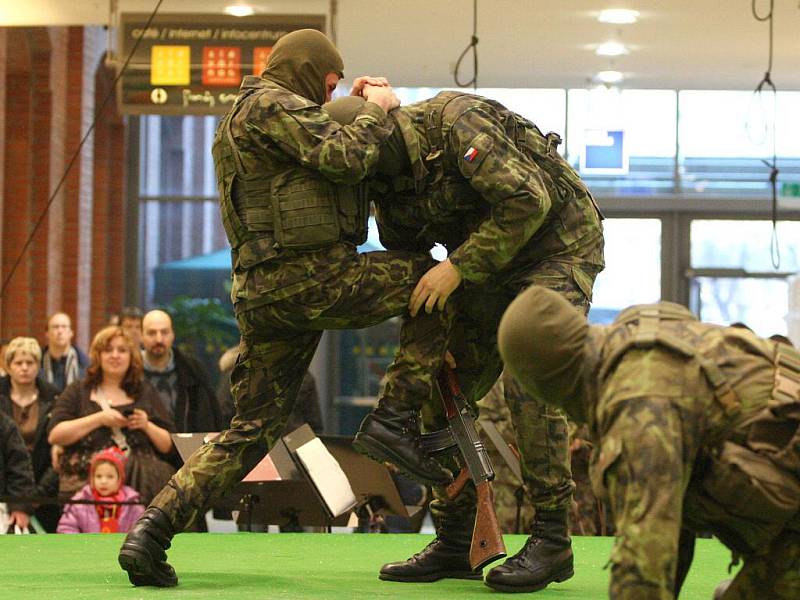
[
  {"x": 275, "y": 130},
  {"x": 486, "y": 184},
  {"x": 691, "y": 433}
]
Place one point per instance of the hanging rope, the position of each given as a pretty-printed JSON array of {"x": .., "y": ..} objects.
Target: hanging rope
[
  {"x": 764, "y": 85},
  {"x": 473, "y": 45}
]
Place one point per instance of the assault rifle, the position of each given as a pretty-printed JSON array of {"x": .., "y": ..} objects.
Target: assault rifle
[{"x": 487, "y": 539}]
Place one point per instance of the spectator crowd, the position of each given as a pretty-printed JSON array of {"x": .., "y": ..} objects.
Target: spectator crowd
[{"x": 95, "y": 428}]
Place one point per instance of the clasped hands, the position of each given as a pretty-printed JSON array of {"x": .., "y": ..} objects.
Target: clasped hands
[{"x": 376, "y": 90}]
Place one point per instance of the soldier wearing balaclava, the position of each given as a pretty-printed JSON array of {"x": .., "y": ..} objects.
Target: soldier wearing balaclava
[
  {"x": 294, "y": 214},
  {"x": 697, "y": 429},
  {"x": 463, "y": 171}
]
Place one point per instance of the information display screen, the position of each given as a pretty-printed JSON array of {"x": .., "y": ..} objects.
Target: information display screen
[{"x": 194, "y": 64}]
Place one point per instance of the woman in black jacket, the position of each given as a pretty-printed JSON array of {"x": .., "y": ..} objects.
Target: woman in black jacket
[
  {"x": 113, "y": 406},
  {"x": 16, "y": 475},
  {"x": 28, "y": 400}
]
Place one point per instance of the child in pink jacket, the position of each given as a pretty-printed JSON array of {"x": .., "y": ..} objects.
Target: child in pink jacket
[{"x": 107, "y": 487}]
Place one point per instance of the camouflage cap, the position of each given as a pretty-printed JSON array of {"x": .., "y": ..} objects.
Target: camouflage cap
[
  {"x": 393, "y": 158},
  {"x": 300, "y": 60},
  {"x": 541, "y": 339}
]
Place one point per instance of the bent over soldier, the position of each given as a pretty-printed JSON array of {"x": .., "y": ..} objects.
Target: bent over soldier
[
  {"x": 294, "y": 215},
  {"x": 697, "y": 429},
  {"x": 463, "y": 171}
]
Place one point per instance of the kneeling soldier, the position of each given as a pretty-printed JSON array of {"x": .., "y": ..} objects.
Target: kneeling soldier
[{"x": 696, "y": 428}]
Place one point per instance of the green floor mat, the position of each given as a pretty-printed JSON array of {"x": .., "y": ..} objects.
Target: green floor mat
[{"x": 291, "y": 566}]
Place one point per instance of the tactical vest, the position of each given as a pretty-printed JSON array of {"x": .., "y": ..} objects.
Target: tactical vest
[
  {"x": 751, "y": 464},
  {"x": 539, "y": 147},
  {"x": 296, "y": 208}
]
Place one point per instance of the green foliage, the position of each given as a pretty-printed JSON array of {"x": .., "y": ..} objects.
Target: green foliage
[{"x": 202, "y": 326}]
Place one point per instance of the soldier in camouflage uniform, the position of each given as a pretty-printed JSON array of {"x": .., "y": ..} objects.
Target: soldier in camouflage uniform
[
  {"x": 465, "y": 172},
  {"x": 294, "y": 216},
  {"x": 698, "y": 429}
]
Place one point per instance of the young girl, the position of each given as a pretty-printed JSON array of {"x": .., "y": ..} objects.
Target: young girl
[{"x": 106, "y": 484}]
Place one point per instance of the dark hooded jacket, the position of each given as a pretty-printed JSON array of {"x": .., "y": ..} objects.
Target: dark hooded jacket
[
  {"x": 16, "y": 473},
  {"x": 196, "y": 405}
]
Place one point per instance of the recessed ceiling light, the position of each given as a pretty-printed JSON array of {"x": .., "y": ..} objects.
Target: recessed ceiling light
[
  {"x": 240, "y": 10},
  {"x": 618, "y": 16},
  {"x": 611, "y": 49},
  {"x": 610, "y": 76}
]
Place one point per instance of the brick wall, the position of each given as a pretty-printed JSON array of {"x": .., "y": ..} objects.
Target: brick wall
[
  {"x": 108, "y": 233},
  {"x": 3, "y": 45},
  {"x": 51, "y": 81},
  {"x": 58, "y": 122},
  {"x": 17, "y": 183}
]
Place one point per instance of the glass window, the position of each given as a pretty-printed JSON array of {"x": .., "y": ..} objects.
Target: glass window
[
  {"x": 545, "y": 107},
  {"x": 175, "y": 156},
  {"x": 724, "y": 135},
  {"x": 788, "y": 125},
  {"x": 734, "y": 279},
  {"x": 633, "y": 267},
  {"x": 735, "y": 244},
  {"x": 648, "y": 120},
  {"x": 761, "y": 304},
  {"x": 732, "y": 124},
  {"x": 183, "y": 249}
]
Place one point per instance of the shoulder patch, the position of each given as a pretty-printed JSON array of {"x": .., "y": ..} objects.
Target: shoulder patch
[{"x": 480, "y": 147}]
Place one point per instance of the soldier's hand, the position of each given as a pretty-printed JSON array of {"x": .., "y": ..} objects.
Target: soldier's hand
[
  {"x": 383, "y": 96},
  {"x": 360, "y": 82},
  {"x": 434, "y": 288}
]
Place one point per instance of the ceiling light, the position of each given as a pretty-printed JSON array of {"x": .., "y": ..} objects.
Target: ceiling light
[
  {"x": 618, "y": 16},
  {"x": 610, "y": 76},
  {"x": 239, "y": 10},
  {"x": 611, "y": 49}
]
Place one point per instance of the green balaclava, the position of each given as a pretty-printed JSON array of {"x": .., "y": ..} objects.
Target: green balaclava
[
  {"x": 300, "y": 60},
  {"x": 393, "y": 158},
  {"x": 541, "y": 339}
]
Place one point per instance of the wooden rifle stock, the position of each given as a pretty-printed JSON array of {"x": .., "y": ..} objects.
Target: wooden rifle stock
[
  {"x": 454, "y": 489},
  {"x": 487, "y": 539}
]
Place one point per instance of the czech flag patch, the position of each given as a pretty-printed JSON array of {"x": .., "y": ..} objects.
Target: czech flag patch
[{"x": 471, "y": 154}]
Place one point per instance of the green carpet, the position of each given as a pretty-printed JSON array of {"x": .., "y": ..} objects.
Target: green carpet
[{"x": 290, "y": 566}]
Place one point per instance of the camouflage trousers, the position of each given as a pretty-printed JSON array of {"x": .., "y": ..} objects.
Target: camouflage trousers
[
  {"x": 542, "y": 432},
  {"x": 511, "y": 504},
  {"x": 511, "y": 497},
  {"x": 774, "y": 573},
  {"x": 278, "y": 341},
  {"x": 588, "y": 515}
]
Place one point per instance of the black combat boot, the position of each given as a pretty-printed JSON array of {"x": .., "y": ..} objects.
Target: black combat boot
[
  {"x": 388, "y": 435},
  {"x": 447, "y": 556},
  {"x": 143, "y": 554},
  {"x": 546, "y": 557}
]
